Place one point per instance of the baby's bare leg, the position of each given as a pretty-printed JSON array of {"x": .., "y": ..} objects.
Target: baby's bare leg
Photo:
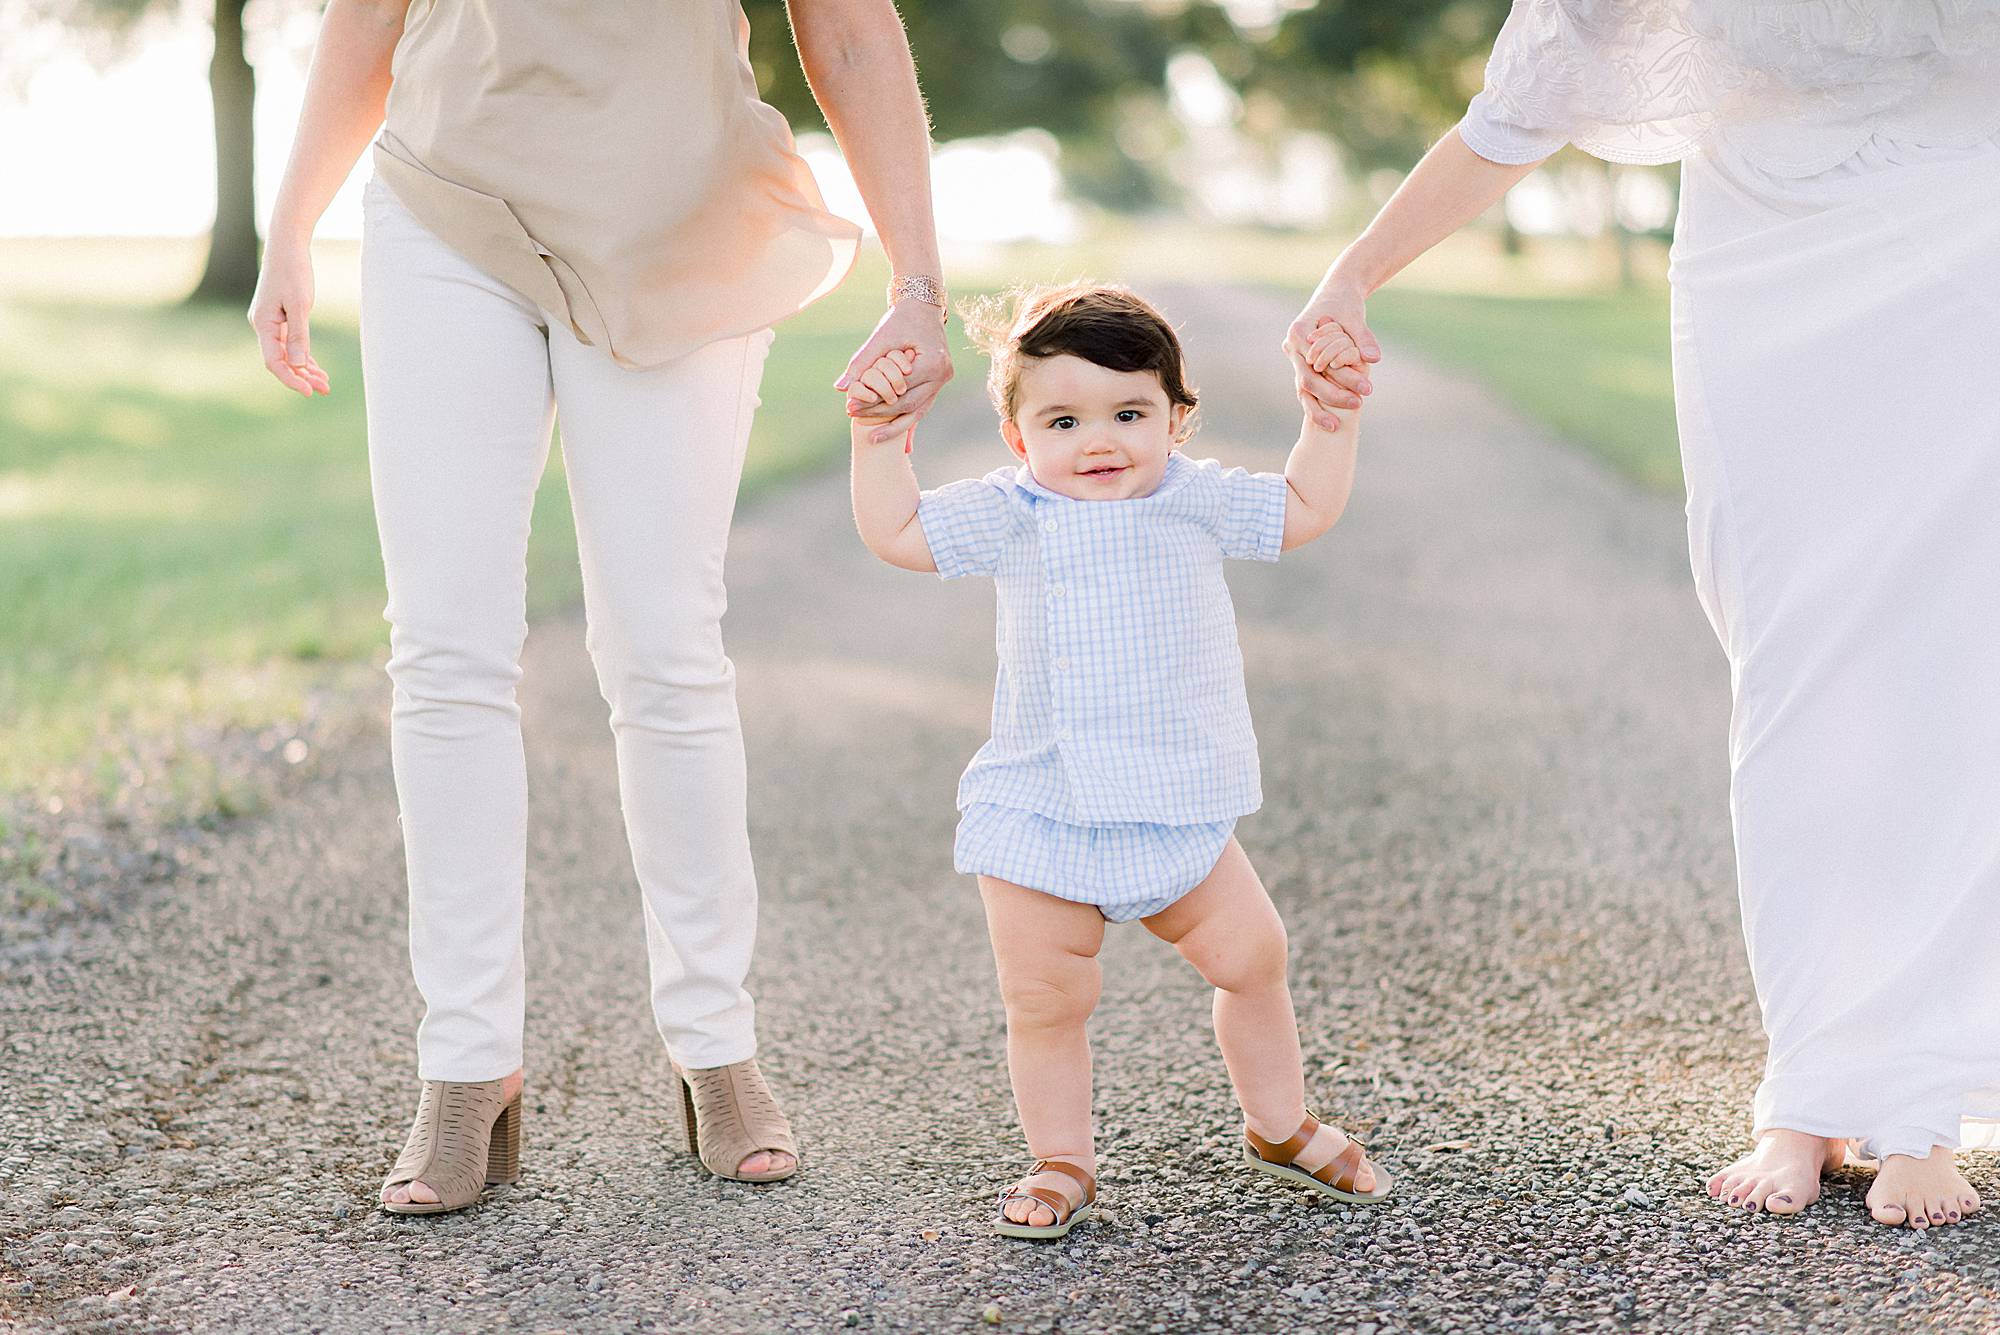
[
  {"x": 1230, "y": 931},
  {"x": 1045, "y": 950}
]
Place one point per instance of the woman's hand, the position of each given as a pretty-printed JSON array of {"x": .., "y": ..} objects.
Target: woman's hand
[
  {"x": 1337, "y": 382},
  {"x": 913, "y": 325},
  {"x": 280, "y": 313}
]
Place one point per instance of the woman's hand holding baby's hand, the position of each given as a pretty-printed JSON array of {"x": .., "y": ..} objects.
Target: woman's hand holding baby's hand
[
  {"x": 1330, "y": 345},
  {"x": 885, "y": 380},
  {"x": 1342, "y": 385},
  {"x": 913, "y": 326}
]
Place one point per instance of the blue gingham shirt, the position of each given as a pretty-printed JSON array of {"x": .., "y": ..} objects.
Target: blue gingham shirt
[{"x": 1120, "y": 691}]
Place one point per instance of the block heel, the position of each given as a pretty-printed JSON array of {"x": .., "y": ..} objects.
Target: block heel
[{"x": 503, "y": 1150}]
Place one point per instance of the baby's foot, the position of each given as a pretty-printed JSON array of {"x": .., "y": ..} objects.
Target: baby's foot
[
  {"x": 1329, "y": 1143},
  {"x": 1781, "y": 1175},
  {"x": 1020, "y": 1208},
  {"x": 1922, "y": 1193}
]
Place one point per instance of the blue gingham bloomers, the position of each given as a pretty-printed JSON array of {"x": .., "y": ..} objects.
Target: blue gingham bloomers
[
  {"x": 1127, "y": 870},
  {"x": 1119, "y": 697}
]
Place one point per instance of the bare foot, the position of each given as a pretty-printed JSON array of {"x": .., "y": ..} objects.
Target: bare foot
[
  {"x": 1781, "y": 1175},
  {"x": 1027, "y": 1210},
  {"x": 419, "y": 1193},
  {"x": 1922, "y": 1193}
]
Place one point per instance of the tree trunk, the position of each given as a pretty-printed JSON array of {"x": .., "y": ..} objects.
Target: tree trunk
[{"x": 231, "y": 275}]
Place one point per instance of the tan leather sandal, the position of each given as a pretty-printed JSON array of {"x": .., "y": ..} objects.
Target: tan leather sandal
[
  {"x": 1335, "y": 1178},
  {"x": 467, "y": 1137},
  {"x": 1068, "y": 1214},
  {"x": 730, "y": 1115}
]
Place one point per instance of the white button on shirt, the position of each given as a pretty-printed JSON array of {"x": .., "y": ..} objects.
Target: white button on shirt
[{"x": 1122, "y": 628}]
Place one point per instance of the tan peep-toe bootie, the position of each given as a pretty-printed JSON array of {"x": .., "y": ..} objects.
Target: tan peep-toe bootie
[
  {"x": 467, "y": 1137},
  {"x": 730, "y": 1115}
]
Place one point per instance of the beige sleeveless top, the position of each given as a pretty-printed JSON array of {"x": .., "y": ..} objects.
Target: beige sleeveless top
[{"x": 612, "y": 163}]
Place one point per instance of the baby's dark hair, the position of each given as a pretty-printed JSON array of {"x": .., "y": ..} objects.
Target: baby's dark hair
[{"x": 1107, "y": 325}]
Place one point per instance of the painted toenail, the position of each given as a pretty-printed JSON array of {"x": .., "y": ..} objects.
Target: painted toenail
[{"x": 1782, "y": 1200}]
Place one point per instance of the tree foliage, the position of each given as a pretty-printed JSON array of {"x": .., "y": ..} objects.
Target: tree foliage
[
  {"x": 1383, "y": 78},
  {"x": 987, "y": 67}
]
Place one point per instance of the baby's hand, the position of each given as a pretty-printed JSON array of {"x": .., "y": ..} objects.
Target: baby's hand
[
  {"x": 881, "y": 382},
  {"x": 1330, "y": 346}
]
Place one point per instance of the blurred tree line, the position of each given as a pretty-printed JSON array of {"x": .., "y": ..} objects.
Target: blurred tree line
[{"x": 1382, "y": 77}]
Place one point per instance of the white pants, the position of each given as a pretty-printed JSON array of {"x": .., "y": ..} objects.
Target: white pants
[{"x": 463, "y": 377}]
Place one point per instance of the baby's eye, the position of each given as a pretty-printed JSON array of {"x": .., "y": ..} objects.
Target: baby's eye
[
  {"x": 1130, "y": 415},
  {"x": 1063, "y": 423}
]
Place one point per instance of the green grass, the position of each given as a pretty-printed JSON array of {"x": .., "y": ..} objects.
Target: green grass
[
  {"x": 184, "y": 546},
  {"x": 1594, "y": 367}
]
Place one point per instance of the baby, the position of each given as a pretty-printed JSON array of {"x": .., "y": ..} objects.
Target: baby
[{"x": 1122, "y": 752}]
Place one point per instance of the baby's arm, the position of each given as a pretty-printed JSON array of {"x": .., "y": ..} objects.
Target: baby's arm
[
  {"x": 1320, "y": 471},
  {"x": 883, "y": 480}
]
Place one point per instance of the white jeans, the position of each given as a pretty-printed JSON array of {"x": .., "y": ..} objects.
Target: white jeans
[{"x": 463, "y": 376}]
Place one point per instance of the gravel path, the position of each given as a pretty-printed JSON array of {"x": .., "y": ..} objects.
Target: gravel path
[{"x": 1493, "y": 722}]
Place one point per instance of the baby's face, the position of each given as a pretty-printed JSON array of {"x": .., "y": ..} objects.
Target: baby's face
[{"x": 1092, "y": 433}]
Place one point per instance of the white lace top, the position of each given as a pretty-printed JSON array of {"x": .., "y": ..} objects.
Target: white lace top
[{"x": 1794, "y": 85}]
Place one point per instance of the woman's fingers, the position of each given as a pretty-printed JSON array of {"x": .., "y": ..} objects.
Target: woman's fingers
[
  {"x": 902, "y": 425},
  {"x": 271, "y": 342},
  {"x": 911, "y": 404},
  {"x": 1350, "y": 378},
  {"x": 1321, "y": 395},
  {"x": 285, "y": 342},
  {"x": 1371, "y": 351},
  {"x": 298, "y": 341}
]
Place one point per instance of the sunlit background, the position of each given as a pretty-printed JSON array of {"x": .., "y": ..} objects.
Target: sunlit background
[
  {"x": 190, "y": 596},
  {"x": 117, "y": 140}
]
